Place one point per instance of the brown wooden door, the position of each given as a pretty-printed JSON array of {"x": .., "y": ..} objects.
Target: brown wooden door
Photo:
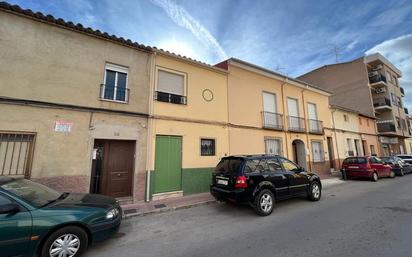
[{"x": 116, "y": 175}]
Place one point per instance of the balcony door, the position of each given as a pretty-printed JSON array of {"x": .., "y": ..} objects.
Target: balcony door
[
  {"x": 313, "y": 117},
  {"x": 270, "y": 110},
  {"x": 293, "y": 111}
]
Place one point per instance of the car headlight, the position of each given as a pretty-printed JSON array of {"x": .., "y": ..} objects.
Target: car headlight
[{"x": 112, "y": 214}]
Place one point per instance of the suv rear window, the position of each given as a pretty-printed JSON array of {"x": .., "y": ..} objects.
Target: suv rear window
[
  {"x": 229, "y": 165},
  {"x": 355, "y": 160}
]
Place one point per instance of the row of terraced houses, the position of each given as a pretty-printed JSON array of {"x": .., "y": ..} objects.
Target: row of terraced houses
[{"x": 82, "y": 110}]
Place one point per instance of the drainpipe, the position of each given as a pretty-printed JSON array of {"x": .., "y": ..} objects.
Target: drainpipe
[
  {"x": 150, "y": 125},
  {"x": 307, "y": 134},
  {"x": 336, "y": 138},
  {"x": 284, "y": 116}
]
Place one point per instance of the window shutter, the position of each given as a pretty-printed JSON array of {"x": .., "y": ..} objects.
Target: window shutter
[{"x": 171, "y": 83}]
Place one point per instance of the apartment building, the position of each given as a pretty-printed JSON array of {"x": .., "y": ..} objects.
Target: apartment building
[
  {"x": 188, "y": 125},
  {"x": 274, "y": 114},
  {"x": 370, "y": 85},
  {"x": 73, "y": 105}
]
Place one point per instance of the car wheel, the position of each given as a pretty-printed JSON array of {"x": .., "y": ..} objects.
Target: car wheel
[
  {"x": 402, "y": 173},
  {"x": 374, "y": 177},
  {"x": 264, "y": 202},
  {"x": 69, "y": 241},
  {"x": 315, "y": 191},
  {"x": 392, "y": 174}
]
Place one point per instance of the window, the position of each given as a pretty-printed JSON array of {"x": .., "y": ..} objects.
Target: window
[
  {"x": 374, "y": 159},
  {"x": 170, "y": 87},
  {"x": 274, "y": 165},
  {"x": 4, "y": 200},
  {"x": 349, "y": 147},
  {"x": 367, "y": 122},
  {"x": 317, "y": 152},
  {"x": 207, "y": 147},
  {"x": 394, "y": 100},
  {"x": 345, "y": 118},
  {"x": 399, "y": 101},
  {"x": 289, "y": 166},
  {"x": 115, "y": 84},
  {"x": 372, "y": 149},
  {"x": 388, "y": 76},
  {"x": 16, "y": 154},
  {"x": 394, "y": 80},
  {"x": 256, "y": 165},
  {"x": 398, "y": 122},
  {"x": 360, "y": 121},
  {"x": 273, "y": 146}
]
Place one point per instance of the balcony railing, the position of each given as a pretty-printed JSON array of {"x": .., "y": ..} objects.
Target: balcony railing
[
  {"x": 379, "y": 102},
  {"x": 272, "y": 120},
  {"x": 296, "y": 124},
  {"x": 406, "y": 110},
  {"x": 315, "y": 126},
  {"x": 386, "y": 127},
  {"x": 402, "y": 91},
  {"x": 170, "y": 98},
  {"x": 376, "y": 77},
  {"x": 112, "y": 93}
]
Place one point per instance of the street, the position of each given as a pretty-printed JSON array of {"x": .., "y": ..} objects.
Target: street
[{"x": 356, "y": 218}]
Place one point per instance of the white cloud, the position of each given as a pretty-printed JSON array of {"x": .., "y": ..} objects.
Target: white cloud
[
  {"x": 182, "y": 18},
  {"x": 399, "y": 52},
  {"x": 179, "y": 47}
]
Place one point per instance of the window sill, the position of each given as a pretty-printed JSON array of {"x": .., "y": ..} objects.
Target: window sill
[{"x": 113, "y": 101}]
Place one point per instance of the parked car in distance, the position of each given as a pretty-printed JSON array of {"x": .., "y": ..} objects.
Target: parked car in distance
[
  {"x": 406, "y": 157},
  {"x": 261, "y": 180},
  {"x": 399, "y": 166},
  {"x": 38, "y": 221},
  {"x": 366, "y": 167}
]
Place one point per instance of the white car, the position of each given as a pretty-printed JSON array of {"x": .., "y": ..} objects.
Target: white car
[{"x": 405, "y": 157}]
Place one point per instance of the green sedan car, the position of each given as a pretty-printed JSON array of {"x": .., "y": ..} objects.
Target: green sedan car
[{"x": 38, "y": 221}]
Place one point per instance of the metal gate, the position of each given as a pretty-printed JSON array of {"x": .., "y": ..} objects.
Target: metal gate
[{"x": 16, "y": 153}]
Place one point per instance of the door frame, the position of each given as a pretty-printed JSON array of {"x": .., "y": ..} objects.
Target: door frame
[{"x": 299, "y": 151}]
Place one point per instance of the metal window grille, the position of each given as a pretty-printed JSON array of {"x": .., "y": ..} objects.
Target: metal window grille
[{"x": 16, "y": 152}]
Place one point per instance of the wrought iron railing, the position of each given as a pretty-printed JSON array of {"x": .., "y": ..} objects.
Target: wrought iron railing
[
  {"x": 272, "y": 120},
  {"x": 296, "y": 124},
  {"x": 169, "y": 98},
  {"x": 315, "y": 126}
]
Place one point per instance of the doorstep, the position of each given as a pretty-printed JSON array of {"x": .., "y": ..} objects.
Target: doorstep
[{"x": 164, "y": 205}]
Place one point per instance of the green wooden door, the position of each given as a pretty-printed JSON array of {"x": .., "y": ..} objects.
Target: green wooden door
[{"x": 168, "y": 164}]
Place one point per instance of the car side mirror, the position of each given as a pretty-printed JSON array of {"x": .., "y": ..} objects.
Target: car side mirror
[{"x": 9, "y": 208}]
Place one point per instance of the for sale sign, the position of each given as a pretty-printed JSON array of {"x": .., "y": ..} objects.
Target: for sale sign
[{"x": 63, "y": 126}]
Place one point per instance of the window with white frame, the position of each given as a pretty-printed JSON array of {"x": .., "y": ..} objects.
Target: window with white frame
[
  {"x": 349, "y": 147},
  {"x": 170, "y": 87},
  {"x": 317, "y": 151},
  {"x": 115, "y": 84},
  {"x": 273, "y": 146}
]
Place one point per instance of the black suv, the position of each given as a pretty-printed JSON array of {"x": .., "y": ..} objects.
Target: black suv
[{"x": 260, "y": 180}]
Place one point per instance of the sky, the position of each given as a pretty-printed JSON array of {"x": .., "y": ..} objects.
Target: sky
[{"x": 291, "y": 37}]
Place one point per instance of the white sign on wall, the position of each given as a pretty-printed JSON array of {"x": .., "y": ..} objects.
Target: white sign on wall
[{"x": 63, "y": 126}]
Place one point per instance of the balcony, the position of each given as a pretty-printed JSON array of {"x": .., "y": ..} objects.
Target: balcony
[
  {"x": 376, "y": 79},
  {"x": 316, "y": 127},
  {"x": 406, "y": 111},
  {"x": 386, "y": 127},
  {"x": 116, "y": 94},
  {"x": 296, "y": 124},
  {"x": 169, "y": 98},
  {"x": 402, "y": 91},
  {"x": 382, "y": 104},
  {"x": 272, "y": 120}
]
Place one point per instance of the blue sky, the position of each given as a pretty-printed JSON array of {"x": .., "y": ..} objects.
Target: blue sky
[{"x": 292, "y": 37}]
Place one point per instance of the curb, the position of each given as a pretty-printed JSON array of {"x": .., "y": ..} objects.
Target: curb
[{"x": 167, "y": 209}]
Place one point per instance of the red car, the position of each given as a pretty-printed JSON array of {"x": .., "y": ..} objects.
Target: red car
[{"x": 366, "y": 167}]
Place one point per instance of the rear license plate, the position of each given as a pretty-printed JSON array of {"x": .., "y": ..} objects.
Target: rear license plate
[
  {"x": 221, "y": 182},
  {"x": 353, "y": 167}
]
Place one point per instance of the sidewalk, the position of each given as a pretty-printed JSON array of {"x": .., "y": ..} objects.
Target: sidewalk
[{"x": 177, "y": 203}]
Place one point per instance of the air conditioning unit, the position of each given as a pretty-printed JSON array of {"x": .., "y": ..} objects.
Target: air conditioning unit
[{"x": 380, "y": 90}]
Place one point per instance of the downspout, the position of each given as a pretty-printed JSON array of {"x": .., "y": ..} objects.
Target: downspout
[
  {"x": 307, "y": 134},
  {"x": 284, "y": 116},
  {"x": 336, "y": 138},
  {"x": 150, "y": 124}
]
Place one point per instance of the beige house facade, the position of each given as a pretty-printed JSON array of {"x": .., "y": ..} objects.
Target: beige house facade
[
  {"x": 270, "y": 113},
  {"x": 74, "y": 106}
]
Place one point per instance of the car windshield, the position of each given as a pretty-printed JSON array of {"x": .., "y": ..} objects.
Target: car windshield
[
  {"x": 33, "y": 193},
  {"x": 229, "y": 165},
  {"x": 355, "y": 160}
]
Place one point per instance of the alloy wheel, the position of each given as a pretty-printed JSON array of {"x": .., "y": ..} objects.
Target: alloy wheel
[
  {"x": 315, "y": 191},
  {"x": 266, "y": 203},
  {"x": 66, "y": 245}
]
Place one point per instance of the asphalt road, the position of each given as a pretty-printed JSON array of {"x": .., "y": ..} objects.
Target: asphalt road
[{"x": 356, "y": 219}]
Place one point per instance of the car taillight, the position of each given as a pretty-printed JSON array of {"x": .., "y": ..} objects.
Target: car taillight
[{"x": 241, "y": 182}]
